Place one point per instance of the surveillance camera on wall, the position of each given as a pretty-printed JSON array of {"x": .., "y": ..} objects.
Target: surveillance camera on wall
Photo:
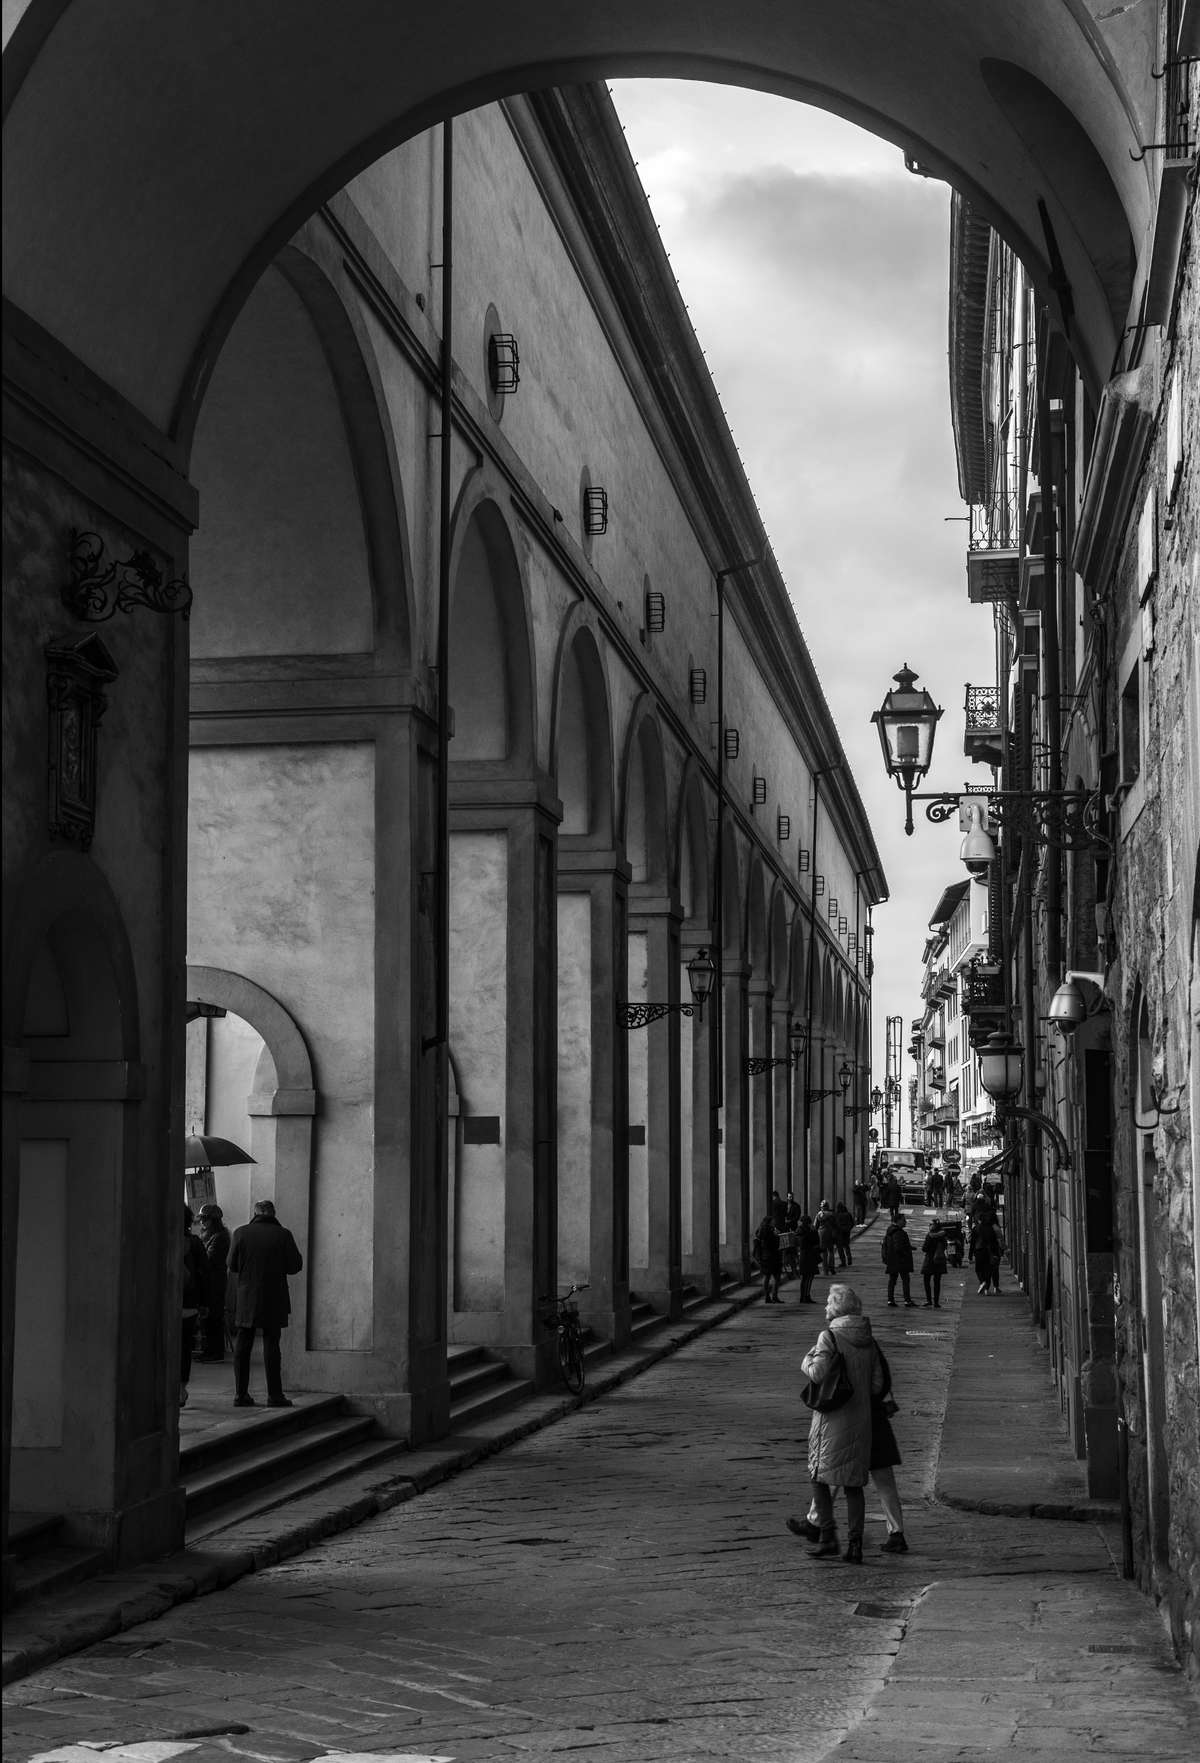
[{"x": 1068, "y": 1007}]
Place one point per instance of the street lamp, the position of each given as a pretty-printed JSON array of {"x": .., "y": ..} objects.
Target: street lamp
[
  {"x": 907, "y": 721},
  {"x": 701, "y": 973},
  {"x": 876, "y": 1099},
  {"x": 845, "y": 1079},
  {"x": 797, "y": 1035},
  {"x": 1001, "y": 1071}
]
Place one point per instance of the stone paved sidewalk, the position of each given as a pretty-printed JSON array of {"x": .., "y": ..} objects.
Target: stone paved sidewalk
[{"x": 620, "y": 1586}]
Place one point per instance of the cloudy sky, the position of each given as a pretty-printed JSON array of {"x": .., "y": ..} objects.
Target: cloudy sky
[{"x": 815, "y": 270}]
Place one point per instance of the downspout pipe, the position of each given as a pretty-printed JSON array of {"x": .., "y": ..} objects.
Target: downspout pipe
[{"x": 441, "y": 1034}]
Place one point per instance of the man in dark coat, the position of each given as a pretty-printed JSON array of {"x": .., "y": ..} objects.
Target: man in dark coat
[
  {"x": 215, "y": 1237},
  {"x": 262, "y": 1257}
]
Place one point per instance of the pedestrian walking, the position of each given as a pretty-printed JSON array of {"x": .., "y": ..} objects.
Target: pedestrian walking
[
  {"x": 859, "y": 1195},
  {"x": 891, "y": 1195},
  {"x": 985, "y": 1248},
  {"x": 263, "y": 1255},
  {"x": 195, "y": 1287},
  {"x": 843, "y": 1225},
  {"x": 791, "y": 1240},
  {"x": 885, "y": 1455},
  {"x": 839, "y": 1443},
  {"x": 769, "y": 1255},
  {"x": 933, "y": 1263},
  {"x": 214, "y": 1235},
  {"x": 808, "y": 1256},
  {"x": 827, "y": 1234},
  {"x": 897, "y": 1255}
]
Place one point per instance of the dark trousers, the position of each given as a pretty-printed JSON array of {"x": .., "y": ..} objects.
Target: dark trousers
[
  {"x": 856, "y": 1511},
  {"x": 903, "y": 1276},
  {"x": 187, "y": 1335},
  {"x": 272, "y": 1363},
  {"x": 933, "y": 1288}
]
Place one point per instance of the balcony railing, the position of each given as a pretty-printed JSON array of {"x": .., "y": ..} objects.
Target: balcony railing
[
  {"x": 982, "y": 738},
  {"x": 993, "y": 554},
  {"x": 995, "y": 523},
  {"x": 946, "y": 1114}
]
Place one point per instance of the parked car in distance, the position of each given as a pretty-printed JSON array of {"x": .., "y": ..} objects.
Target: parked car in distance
[{"x": 910, "y": 1171}]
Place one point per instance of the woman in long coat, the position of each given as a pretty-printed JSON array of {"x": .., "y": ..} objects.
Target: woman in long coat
[
  {"x": 809, "y": 1256},
  {"x": 839, "y": 1444}
]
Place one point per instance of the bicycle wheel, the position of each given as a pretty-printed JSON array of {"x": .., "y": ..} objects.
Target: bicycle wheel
[{"x": 570, "y": 1359}]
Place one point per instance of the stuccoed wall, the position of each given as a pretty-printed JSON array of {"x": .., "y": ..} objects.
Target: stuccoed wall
[{"x": 1152, "y": 943}]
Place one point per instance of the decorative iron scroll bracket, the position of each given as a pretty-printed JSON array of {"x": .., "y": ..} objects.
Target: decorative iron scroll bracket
[
  {"x": 100, "y": 586},
  {"x": 640, "y": 1015},
  {"x": 1010, "y": 1111},
  {"x": 76, "y": 676},
  {"x": 756, "y": 1067},
  {"x": 1050, "y": 817},
  {"x": 819, "y": 1095}
]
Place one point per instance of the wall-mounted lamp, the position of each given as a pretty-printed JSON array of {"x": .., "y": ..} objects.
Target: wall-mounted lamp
[
  {"x": 504, "y": 362},
  {"x": 845, "y": 1079},
  {"x": 797, "y": 1035},
  {"x": 701, "y": 974},
  {"x": 907, "y": 721},
  {"x": 595, "y": 511},
  {"x": 1001, "y": 1069}
]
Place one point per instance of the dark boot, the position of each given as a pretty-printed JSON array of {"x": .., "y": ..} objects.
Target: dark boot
[
  {"x": 853, "y": 1551},
  {"x": 896, "y": 1544},
  {"x": 827, "y": 1547}
]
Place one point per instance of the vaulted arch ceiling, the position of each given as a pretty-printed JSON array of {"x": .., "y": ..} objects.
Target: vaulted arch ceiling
[{"x": 156, "y": 157}]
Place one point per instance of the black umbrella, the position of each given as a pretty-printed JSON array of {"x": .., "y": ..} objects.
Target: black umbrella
[{"x": 204, "y": 1151}]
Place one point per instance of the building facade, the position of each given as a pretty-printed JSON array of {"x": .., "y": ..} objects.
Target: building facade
[
  {"x": 466, "y": 1063},
  {"x": 1085, "y": 546}
]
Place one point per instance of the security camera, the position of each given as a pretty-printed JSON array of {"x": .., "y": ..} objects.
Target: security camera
[
  {"x": 1068, "y": 1007},
  {"x": 978, "y": 849}
]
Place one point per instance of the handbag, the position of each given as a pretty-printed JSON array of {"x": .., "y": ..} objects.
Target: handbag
[{"x": 832, "y": 1391}]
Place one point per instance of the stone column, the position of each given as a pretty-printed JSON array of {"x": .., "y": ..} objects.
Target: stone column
[
  {"x": 761, "y": 1093},
  {"x": 699, "y": 1155},
  {"x": 738, "y": 1229},
  {"x": 504, "y": 1000},
  {"x": 781, "y": 1094},
  {"x": 593, "y": 1148},
  {"x": 654, "y": 925}
]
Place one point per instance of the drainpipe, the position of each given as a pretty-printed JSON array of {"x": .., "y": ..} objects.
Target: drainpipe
[
  {"x": 441, "y": 1035},
  {"x": 822, "y": 771}
]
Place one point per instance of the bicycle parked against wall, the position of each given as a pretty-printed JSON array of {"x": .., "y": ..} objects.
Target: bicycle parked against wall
[{"x": 565, "y": 1319}]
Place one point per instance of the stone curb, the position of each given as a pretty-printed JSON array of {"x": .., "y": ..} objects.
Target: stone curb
[
  {"x": 1062, "y": 1511},
  {"x": 89, "y": 1615}
]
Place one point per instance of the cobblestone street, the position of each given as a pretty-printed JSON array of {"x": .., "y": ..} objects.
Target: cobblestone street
[{"x": 621, "y": 1585}]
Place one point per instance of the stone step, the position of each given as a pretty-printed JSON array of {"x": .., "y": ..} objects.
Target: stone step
[
  {"x": 48, "y": 1569},
  {"x": 294, "y": 1484},
  {"x": 262, "y": 1457},
  {"x": 246, "y": 1429}
]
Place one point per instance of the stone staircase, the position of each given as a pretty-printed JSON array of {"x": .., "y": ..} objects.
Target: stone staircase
[{"x": 40, "y": 1558}]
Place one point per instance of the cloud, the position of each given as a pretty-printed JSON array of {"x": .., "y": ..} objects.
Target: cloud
[{"x": 815, "y": 270}]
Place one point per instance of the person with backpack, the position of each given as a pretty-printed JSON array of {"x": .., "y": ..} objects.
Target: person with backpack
[
  {"x": 897, "y": 1254},
  {"x": 768, "y": 1252},
  {"x": 933, "y": 1263}
]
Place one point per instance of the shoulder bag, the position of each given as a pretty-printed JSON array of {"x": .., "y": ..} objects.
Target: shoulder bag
[{"x": 833, "y": 1391}]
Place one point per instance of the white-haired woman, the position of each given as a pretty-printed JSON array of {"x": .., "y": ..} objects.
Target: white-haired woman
[{"x": 839, "y": 1444}]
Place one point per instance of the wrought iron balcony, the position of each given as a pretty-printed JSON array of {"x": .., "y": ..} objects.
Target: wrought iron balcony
[
  {"x": 946, "y": 1114},
  {"x": 982, "y": 740},
  {"x": 993, "y": 554}
]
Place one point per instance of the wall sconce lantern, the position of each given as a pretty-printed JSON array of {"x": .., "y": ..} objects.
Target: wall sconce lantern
[
  {"x": 906, "y": 721},
  {"x": 701, "y": 971},
  {"x": 504, "y": 362},
  {"x": 656, "y": 613},
  {"x": 733, "y": 743},
  {"x": 595, "y": 511},
  {"x": 759, "y": 791},
  {"x": 698, "y": 685},
  {"x": 1001, "y": 1069},
  {"x": 797, "y": 1036},
  {"x": 876, "y": 1099},
  {"x": 845, "y": 1078}
]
